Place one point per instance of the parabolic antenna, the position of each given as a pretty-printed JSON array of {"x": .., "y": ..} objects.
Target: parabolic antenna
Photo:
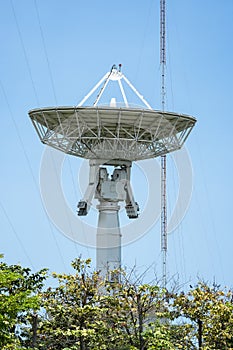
[
  {"x": 116, "y": 134},
  {"x": 111, "y": 132}
]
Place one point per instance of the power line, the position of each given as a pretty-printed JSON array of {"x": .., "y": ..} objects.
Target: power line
[
  {"x": 54, "y": 93},
  {"x": 17, "y": 129},
  {"x": 29, "y": 166},
  {"x": 16, "y": 235},
  {"x": 45, "y": 52},
  {"x": 25, "y": 53}
]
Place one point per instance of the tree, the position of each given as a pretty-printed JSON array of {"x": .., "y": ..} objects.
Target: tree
[
  {"x": 72, "y": 318},
  {"x": 136, "y": 310},
  {"x": 87, "y": 312},
  {"x": 210, "y": 312},
  {"x": 18, "y": 298}
]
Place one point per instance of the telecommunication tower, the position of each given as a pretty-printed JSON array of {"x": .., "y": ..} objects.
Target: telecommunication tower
[
  {"x": 114, "y": 135},
  {"x": 163, "y": 157}
]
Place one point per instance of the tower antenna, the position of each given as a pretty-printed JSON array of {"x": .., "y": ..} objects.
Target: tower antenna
[{"x": 163, "y": 157}]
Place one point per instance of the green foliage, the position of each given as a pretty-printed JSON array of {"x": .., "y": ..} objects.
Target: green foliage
[
  {"x": 87, "y": 312},
  {"x": 72, "y": 314},
  {"x": 18, "y": 296},
  {"x": 157, "y": 337},
  {"x": 210, "y": 311},
  {"x": 132, "y": 306}
]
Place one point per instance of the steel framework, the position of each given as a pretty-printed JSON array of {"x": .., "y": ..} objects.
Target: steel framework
[
  {"x": 111, "y": 133},
  {"x": 163, "y": 157}
]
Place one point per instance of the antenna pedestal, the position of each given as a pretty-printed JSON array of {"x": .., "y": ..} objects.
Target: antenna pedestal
[
  {"x": 109, "y": 190},
  {"x": 108, "y": 241}
]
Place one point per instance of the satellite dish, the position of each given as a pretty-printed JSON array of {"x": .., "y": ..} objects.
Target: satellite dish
[
  {"x": 116, "y": 134},
  {"x": 124, "y": 133}
]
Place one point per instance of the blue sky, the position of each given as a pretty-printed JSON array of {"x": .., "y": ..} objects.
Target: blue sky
[{"x": 52, "y": 53}]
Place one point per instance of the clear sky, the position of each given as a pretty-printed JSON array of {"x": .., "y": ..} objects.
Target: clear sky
[{"x": 52, "y": 54}]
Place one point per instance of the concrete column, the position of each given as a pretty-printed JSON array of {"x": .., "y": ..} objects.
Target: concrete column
[{"x": 108, "y": 252}]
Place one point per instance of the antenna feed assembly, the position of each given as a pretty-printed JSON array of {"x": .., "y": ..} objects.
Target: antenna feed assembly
[{"x": 115, "y": 73}]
